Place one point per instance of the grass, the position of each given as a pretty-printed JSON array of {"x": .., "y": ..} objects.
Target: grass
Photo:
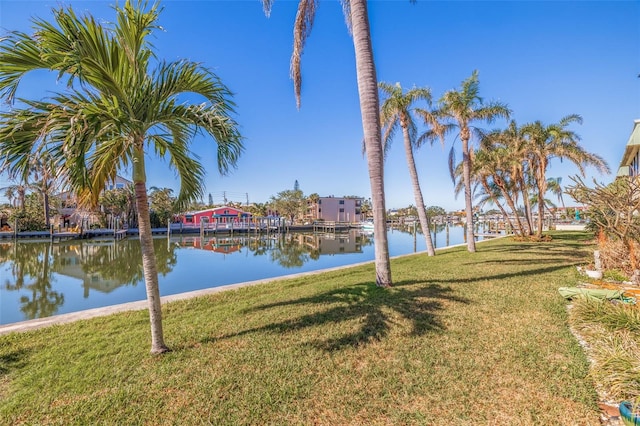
[
  {"x": 612, "y": 333},
  {"x": 480, "y": 338}
]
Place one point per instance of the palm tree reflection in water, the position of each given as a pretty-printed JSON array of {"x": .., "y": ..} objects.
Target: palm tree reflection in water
[{"x": 40, "y": 278}]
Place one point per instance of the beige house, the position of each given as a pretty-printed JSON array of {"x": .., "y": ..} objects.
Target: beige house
[
  {"x": 630, "y": 164},
  {"x": 335, "y": 209}
]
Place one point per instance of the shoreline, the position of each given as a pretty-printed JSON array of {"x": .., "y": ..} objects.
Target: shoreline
[{"x": 37, "y": 323}]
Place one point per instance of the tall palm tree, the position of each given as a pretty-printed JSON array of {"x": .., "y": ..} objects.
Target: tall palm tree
[
  {"x": 357, "y": 19},
  {"x": 396, "y": 111},
  {"x": 120, "y": 106},
  {"x": 463, "y": 108},
  {"x": 545, "y": 142}
]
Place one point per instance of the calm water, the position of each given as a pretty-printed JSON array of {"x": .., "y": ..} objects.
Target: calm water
[{"x": 40, "y": 279}]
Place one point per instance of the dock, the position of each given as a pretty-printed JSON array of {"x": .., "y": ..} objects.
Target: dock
[{"x": 67, "y": 235}]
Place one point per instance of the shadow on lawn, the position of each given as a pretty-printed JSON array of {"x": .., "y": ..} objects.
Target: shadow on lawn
[
  {"x": 372, "y": 306},
  {"x": 12, "y": 361}
]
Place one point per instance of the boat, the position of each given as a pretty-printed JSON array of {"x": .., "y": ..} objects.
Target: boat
[{"x": 368, "y": 225}]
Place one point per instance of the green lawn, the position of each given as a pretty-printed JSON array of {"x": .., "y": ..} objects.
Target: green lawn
[{"x": 461, "y": 338}]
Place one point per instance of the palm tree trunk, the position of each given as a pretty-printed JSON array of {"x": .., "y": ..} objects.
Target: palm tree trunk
[
  {"x": 542, "y": 189},
  {"x": 495, "y": 201},
  {"x": 369, "y": 108},
  {"x": 45, "y": 197},
  {"x": 417, "y": 192},
  {"x": 527, "y": 206},
  {"x": 149, "y": 265},
  {"x": 510, "y": 202},
  {"x": 466, "y": 175}
]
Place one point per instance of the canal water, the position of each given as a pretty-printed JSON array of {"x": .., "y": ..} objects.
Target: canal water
[{"x": 40, "y": 278}]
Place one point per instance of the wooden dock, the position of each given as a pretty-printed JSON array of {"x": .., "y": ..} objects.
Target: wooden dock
[{"x": 67, "y": 235}]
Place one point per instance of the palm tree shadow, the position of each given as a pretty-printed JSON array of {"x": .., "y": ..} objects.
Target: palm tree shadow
[
  {"x": 375, "y": 310},
  {"x": 13, "y": 361}
]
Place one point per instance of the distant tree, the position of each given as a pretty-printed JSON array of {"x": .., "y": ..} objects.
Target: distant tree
[
  {"x": 366, "y": 209},
  {"x": 31, "y": 216},
  {"x": 289, "y": 203},
  {"x": 43, "y": 173},
  {"x": 554, "y": 185},
  {"x": 410, "y": 210},
  {"x": 114, "y": 202},
  {"x": 434, "y": 211},
  {"x": 162, "y": 205},
  {"x": 257, "y": 209}
]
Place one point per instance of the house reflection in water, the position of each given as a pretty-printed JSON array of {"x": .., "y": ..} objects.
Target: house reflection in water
[
  {"x": 105, "y": 265},
  {"x": 318, "y": 244},
  {"x": 332, "y": 243},
  {"x": 71, "y": 261},
  {"x": 225, "y": 245}
]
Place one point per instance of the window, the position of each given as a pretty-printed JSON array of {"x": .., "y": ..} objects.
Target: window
[
  {"x": 341, "y": 202},
  {"x": 119, "y": 185},
  {"x": 341, "y": 210}
]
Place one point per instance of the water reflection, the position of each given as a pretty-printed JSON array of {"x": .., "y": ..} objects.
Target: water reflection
[
  {"x": 291, "y": 250},
  {"x": 32, "y": 273},
  {"x": 41, "y": 278},
  {"x": 37, "y": 275}
]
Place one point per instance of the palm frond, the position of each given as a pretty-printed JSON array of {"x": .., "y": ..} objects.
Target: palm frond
[{"x": 301, "y": 30}]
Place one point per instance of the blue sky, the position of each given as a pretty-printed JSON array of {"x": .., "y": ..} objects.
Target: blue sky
[{"x": 545, "y": 59}]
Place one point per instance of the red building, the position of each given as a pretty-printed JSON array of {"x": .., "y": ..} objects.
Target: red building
[{"x": 224, "y": 214}]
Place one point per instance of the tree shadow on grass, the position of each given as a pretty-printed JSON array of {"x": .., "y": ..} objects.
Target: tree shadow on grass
[
  {"x": 370, "y": 306},
  {"x": 15, "y": 360},
  {"x": 504, "y": 276}
]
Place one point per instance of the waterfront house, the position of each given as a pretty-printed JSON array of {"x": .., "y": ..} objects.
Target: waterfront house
[
  {"x": 335, "y": 209},
  {"x": 224, "y": 214}
]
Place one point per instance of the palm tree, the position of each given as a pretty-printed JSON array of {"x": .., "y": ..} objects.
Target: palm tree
[
  {"x": 396, "y": 111},
  {"x": 44, "y": 183},
  {"x": 555, "y": 186},
  {"x": 462, "y": 108},
  {"x": 545, "y": 142},
  {"x": 498, "y": 158},
  {"x": 120, "y": 106},
  {"x": 9, "y": 192},
  {"x": 358, "y": 22},
  {"x": 487, "y": 173},
  {"x": 17, "y": 192}
]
